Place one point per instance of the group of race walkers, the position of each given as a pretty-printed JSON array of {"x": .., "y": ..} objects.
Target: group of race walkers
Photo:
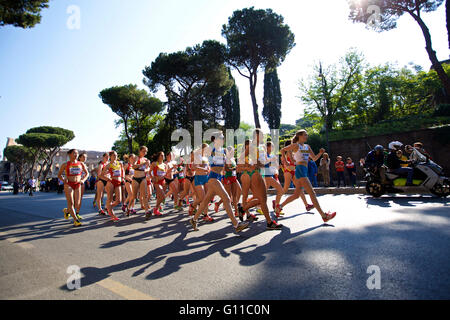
[{"x": 210, "y": 171}]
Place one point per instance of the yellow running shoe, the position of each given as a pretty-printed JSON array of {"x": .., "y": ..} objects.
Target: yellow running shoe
[
  {"x": 76, "y": 223},
  {"x": 79, "y": 217},
  {"x": 66, "y": 213},
  {"x": 259, "y": 211}
]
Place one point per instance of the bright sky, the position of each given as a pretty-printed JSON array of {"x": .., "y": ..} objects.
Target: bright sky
[{"x": 52, "y": 75}]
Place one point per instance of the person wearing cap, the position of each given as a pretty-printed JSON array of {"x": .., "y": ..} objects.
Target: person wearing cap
[{"x": 375, "y": 162}]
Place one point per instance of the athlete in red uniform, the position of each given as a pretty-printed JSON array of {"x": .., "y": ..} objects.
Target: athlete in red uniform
[
  {"x": 72, "y": 183},
  {"x": 114, "y": 174},
  {"x": 101, "y": 184}
]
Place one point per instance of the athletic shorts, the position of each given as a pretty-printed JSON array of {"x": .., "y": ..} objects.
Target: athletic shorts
[
  {"x": 229, "y": 180},
  {"x": 301, "y": 172},
  {"x": 213, "y": 175},
  {"x": 200, "y": 180}
]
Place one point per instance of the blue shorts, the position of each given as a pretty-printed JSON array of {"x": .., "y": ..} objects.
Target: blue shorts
[
  {"x": 301, "y": 172},
  {"x": 200, "y": 180},
  {"x": 213, "y": 175}
]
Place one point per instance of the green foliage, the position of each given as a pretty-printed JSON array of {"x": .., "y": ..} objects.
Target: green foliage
[
  {"x": 231, "y": 106},
  {"x": 272, "y": 99},
  {"x": 135, "y": 107},
  {"x": 405, "y": 124},
  {"x": 21, "y": 13},
  {"x": 194, "y": 80},
  {"x": 255, "y": 39},
  {"x": 390, "y": 11}
]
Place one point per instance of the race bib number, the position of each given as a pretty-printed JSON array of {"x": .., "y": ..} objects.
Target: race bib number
[
  {"x": 161, "y": 173},
  {"x": 181, "y": 175},
  {"x": 116, "y": 173},
  {"x": 74, "y": 171}
]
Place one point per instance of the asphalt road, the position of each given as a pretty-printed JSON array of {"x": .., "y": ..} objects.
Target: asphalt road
[{"x": 406, "y": 238}]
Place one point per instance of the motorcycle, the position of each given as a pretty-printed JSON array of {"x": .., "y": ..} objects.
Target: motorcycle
[{"x": 427, "y": 175}]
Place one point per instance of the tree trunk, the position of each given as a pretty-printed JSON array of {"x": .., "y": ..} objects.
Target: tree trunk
[
  {"x": 433, "y": 58},
  {"x": 254, "y": 103}
]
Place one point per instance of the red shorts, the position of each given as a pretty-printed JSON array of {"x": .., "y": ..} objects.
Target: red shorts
[
  {"x": 161, "y": 182},
  {"x": 289, "y": 171},
  {"x": 116, "y": 183},
  {"x": 229, "y": 180},
  {"x": 74, "y": 185}
]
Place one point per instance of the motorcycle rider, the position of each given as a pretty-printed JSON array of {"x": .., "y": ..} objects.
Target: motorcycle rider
[
  {"x": 394, "y": 163},
  {"x": 375, "y": 162}
]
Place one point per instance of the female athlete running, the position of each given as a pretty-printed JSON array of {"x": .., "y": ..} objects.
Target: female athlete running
[
  {"x": 257, "y": 184},
  {"x": 101, "y": 184},
  {"x": 114, "y": 174},
  {"x": 215, "y": 186},
  {"x": 158, "y": 168},
  {"x": 302, "y": 153},
  {"x": 72, "y": 184},
  {"x": 139, "y": 184}
]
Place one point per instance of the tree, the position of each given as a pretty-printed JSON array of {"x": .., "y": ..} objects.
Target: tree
[
  {"x": 131, "y": 104},
  {"x": 43, "y": 143},
  {"x": 272, "y": 99},
  {"x": 21, "y": 13},
  {"x": 329, "y": 90},
  {"x": 20, "y": 157},
  {"x": 256, "y": 39},
  {"x": 187, "y": 74},
  {"x": 231, "y": 106},
  {"x": 382, "y": 15}
]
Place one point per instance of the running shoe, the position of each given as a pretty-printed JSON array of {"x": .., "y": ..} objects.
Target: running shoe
[
  {"x": 148, "y": 214},
  {"x": 328, "y": 216},
  {"x": 216, "y": 207},
  {"x": 279, "y": 211},
  {"x": 193, "y": 224},
  {"x": 114, "y": 219},
  {"x": 207, "y": 217},
  {"x": 156, "y": 212},
  {"x": 124, "y": 208},
  {"x": 79, "y": 217},
  {"x": 76, "y": 223},
  {"x": 66, "y": 213},
  {"x": 191, "y": 210},
  {"x": 251, "y": 217},
  {"x": 309, "y": 207},
  {"x": 274, "y": 226},
  {"x": 236, "y": 214},
  {"x": 101, "y": 213},
  {"x": 241, "y": 226},
  {"x": 178, "y": 208},
  {"x": 259, "y": 211},
  {"x": 241, "y": 212}
]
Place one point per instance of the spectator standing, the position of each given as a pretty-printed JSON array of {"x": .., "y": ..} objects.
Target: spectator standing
[
  {"x": 340, "y": 168},
  {"x": 32, "y": 185},
  {"x": 312, "y": 172},
  {"x": 351, "y": 170},
  {"x": 324, "y": 168}
]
